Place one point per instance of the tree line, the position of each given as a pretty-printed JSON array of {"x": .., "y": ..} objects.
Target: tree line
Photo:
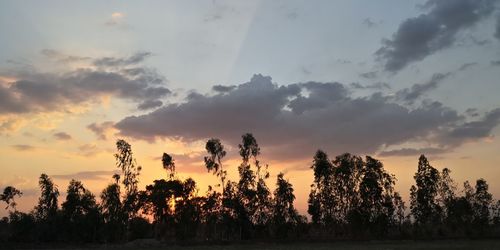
[{"x": 350, "y": 198}]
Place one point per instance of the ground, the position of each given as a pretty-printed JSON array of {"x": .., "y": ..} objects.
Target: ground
[{"x": 369, "y": 245}]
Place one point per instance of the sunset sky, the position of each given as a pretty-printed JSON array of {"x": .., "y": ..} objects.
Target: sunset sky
[{"x": 391, "y": 79}]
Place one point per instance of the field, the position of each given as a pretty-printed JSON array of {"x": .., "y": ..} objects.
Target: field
[{"x": 368, "y": 245}]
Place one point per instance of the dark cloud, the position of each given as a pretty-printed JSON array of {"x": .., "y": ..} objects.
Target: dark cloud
[
  {"x": 419, "y": 37},
  {"x": 222, "y": 88},
  {"x": 150, "y": 104},
  {"x": 293, "y": 121},
  {"x": 44, "y": 92},
  {"x": 369, "y": 23},
  {"x": 472, "y": 112},
  {"x": 62, "y": 136},
  {"x": 121, "y": 62},
  {"x": 23, "y": 147},
  {"x": 472, "y": 130},
  {"x": 412, "y": 152},
  {"x": 377, "y": 85},
  {"x": 466, "y": 66},
  {"x": 100, "y": 129},
  {"x": 87, "y": 175},
  {"x": 369, "y": 75},
  {"x": 61, "y": 57},
  {"x": 410, "y": 95},
  {"x": 495, "y": 63},
  {"x": 497, "y": 31}
]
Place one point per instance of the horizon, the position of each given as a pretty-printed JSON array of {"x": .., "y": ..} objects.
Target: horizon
[{"x": 341, "y": 76}]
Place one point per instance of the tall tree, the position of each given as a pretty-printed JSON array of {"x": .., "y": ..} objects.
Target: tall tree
[
  {"x": 423, "y": 197},
  {"x": 112, "y": 211},
  {"x": 126, "y": 162},
  {"x": 322, "y": 200},
  {"x": 8, "y": 196},
  {"x": 48, "y": 201},
  {"x": 213, "y": 162},
  {"x": 81, "y": 214},
  {"x": 168, "y": 164},
  {"x": 482, "y": 203},
  {"x": 284, "y": 214}
]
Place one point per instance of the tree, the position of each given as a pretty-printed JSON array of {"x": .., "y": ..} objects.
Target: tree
[
  {"x": 81, "y": 213},
  {"x": 112, "y": 211},
  {"x": 252, "y": 183},
  {"x": 48, "y": 201},
  {"x": 481, "y": 204},
  {"x": 284, "y": 215},
  {"x": 347, "y": 174},
  {"x": 376, "y": 196},
  {"x": 8, "y": 195},
  {"x": 131, "y": 171},
  {"x": 213, "y": 162},
  {"x": 168, "y": 164},
  {"x": 423, "y": 197},
  {"x": 321, "y": 198}
]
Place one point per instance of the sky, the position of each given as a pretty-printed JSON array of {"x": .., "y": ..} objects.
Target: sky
[{"x": 391, "y": 79}]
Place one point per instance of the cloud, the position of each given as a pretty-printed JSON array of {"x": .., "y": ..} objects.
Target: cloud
[
  {"x": 412, "y": 152},
  {"x": 470, "y": 131},
  {"x": 497, "y": 30},
  {"x": 102, "y": 129},
  {"x": 421, "y": 36},
  {"x": 23, "y": 147},
  {"x": 62, "y": 136},
  {"x": 61, "y": 57},
  {"x": 293, "y": 121},
  {"x": 410, "y": 95},
  {"x": 495, "y": 63},
  {"x": 116, "y": 19},
  {"x": 369, "y": 75},
  {"x": 377, "y": 85},
  {"x": 466, "y": 66},
  {"x": 369, "y": 23},
  {"x": 87, "y": 175},
  {"x": 121, "y": 62},
  {"x": 222, "y": 88},
  {"x": 34, "y": 92}
]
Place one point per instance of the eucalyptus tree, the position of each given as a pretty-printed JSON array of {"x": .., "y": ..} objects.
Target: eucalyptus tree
[
  {"x": 423, "y": 197},
  {"x": 8, "y": 196},
  {"x": 126, "y": 162},
  {"x": 213, "y": 162}
]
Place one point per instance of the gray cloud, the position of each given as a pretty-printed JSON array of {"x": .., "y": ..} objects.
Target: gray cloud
[
  {"x": 62, "y": 136},
  {"x": 222, "y": 88},
  {"x": 419, "y": 37},
  {"x": 369, "y": 75},
  {"x": 466, "y": 66},
  {"x": 495, "y": 63},
  {"x": 150, "y": 104},
  {"x": 293, "y": 121},
  {"x": 121, "y": 62},
  {"x": 410, "y": 95},
  {"x": 36, "y": 92},
  {"x": 377, "y": 85},
  {"x": 412, "y": 152},
  {"x": 497, "y": 31},
  {"x": 61, "y": 57},
  {"x": 369, "y": 23},
  {"x": 472, "y": 130},
  {"x": 23, "y": 147},
  {"x": 100, "y": 129},
  {"x": 87, "y": 175}
]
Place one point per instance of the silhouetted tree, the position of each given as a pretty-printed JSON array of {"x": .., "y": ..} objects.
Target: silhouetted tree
[
  {"x": 130, "y": 171},
  {"x": 284, "y": 216},
  {"x": 213, "y": 162},
  {"x": 376, "y": 197},
  {"x": 46, "y": 210},
  {"x": 80, "y": 213},
  {"x": 8, "y": 196},
  {"x": 481, "y": 206},
  {"x": 112, "y": 211},
  {"x": 322, "y": 200},
  {"x": 423, "y": 197},
  {"x": 168, "y": 164}
]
